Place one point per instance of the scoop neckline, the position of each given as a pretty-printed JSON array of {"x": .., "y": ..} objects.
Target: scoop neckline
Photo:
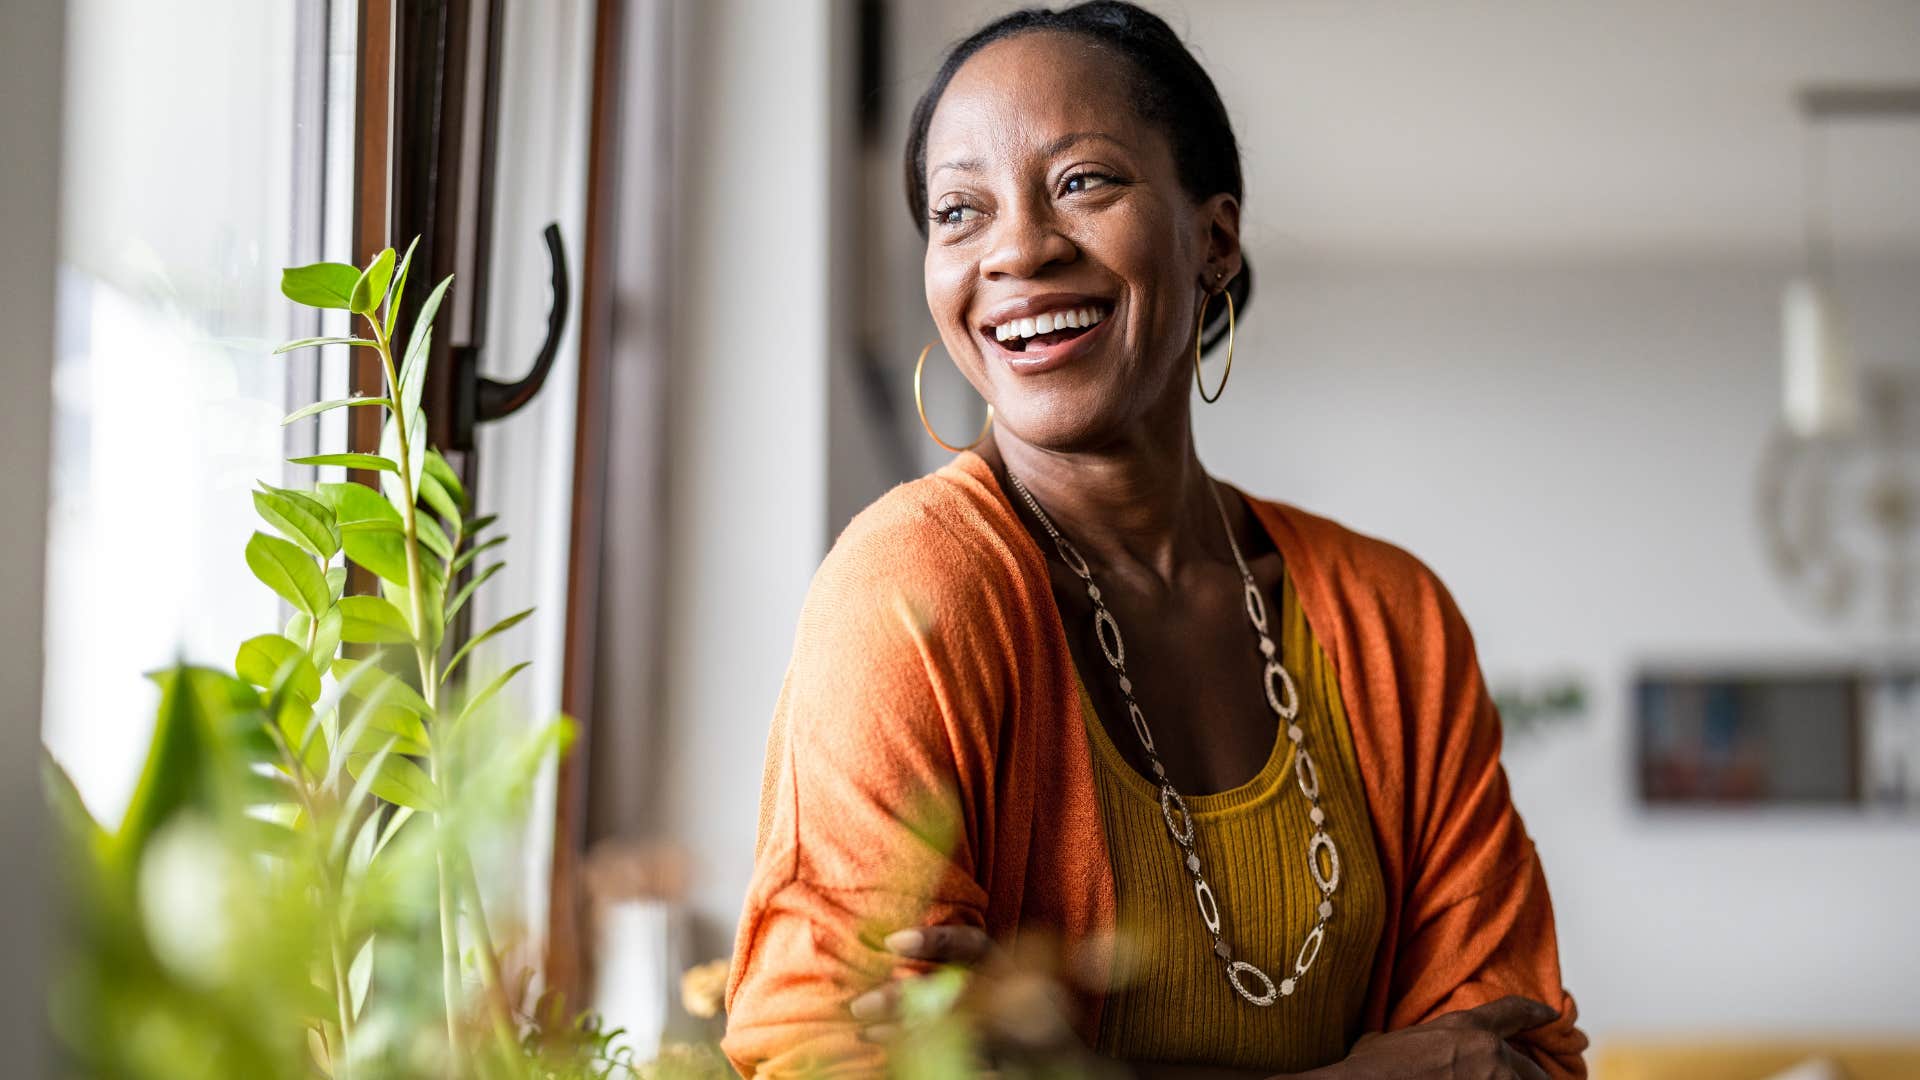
[
  {"x": 1255, "y": 789},
  {"x": 1252, "y": 793}
]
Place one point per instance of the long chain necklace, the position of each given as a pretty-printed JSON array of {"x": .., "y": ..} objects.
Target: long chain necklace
[{"x": 1284, "y": 699}]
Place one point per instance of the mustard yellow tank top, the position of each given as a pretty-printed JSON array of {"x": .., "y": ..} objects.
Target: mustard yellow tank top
[{"x": 1172, "y": 1002}]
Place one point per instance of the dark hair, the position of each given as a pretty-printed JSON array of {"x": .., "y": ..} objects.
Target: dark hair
[{"x": 1168, "y": 88}]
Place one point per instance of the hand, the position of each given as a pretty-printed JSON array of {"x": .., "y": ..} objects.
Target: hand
[
  {"x": 1016, "y": 1008},
  {"x": 1470, "y": 1043}
]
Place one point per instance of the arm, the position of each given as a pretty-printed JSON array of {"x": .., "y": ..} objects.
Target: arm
[
  {"x": 865, "y": 822},
  {"x": 1478, "y": 921}
]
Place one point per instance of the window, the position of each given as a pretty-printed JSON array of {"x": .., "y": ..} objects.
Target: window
[{"x": 206, "y": 146}]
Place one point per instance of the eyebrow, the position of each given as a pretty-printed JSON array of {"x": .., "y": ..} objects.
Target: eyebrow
[{"x": 973, "y": 165}]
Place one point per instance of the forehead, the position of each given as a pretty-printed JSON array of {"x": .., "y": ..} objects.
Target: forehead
[{"x": 1024, "y": 91}]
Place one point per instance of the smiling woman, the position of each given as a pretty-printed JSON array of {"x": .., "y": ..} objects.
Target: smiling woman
[{"x": 1235, "y": 762}]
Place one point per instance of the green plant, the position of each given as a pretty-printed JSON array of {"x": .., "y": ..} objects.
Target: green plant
[{"x": 293, "y": 888}]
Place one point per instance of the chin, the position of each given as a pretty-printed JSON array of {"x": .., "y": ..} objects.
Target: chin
[{"x": 1061, "y": 422}]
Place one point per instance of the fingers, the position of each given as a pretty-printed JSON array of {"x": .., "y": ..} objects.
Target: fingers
[
  {"x": 1523, "y": 1066},
  {"x": 1512, "y": 1015},
  {"x": 876, "y": 1004},
  {"x": 963, "y": 945}
]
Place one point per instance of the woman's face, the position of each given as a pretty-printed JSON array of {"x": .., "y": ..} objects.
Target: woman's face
[{"x": 1052, "y": 204}]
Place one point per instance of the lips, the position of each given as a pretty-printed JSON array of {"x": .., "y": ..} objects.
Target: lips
[{"x": 1038, "y": 333}]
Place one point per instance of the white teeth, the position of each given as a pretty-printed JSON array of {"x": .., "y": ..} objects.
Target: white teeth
[{"x": 1074, "y": 318}]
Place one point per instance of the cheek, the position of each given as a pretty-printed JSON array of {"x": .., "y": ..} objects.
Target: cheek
[
  {"x": 948, "y": 279},
  {"x": 1143, "y": 247}
]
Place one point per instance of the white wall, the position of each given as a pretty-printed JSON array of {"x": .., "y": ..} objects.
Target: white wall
[
  {"x": 1574, "y": 449},
  {"x": 747, "y": 447},
  {"x": 31, "y": 47}
]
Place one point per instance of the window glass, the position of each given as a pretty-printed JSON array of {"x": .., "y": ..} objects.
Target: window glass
[{"x": 198, "y": 162}]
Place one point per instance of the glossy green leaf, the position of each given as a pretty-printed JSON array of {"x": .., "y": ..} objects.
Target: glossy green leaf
[
  {"x": 478, "y": 525},
  {"x": 371, "y": 620},
  {"x": 486, "y": 693},
  {"x": 394, "y": 724},
  {"x": 472, "y": 553},
  {"x": 440, "y": 470},
  {"x": 182, "y": 769},
  {"x": 300, "y": 518},
  {"x": 398, "y": 819},
  {"x": 413, "y": 376},
  {"x": 379, "y": 547},
  {"x": 432, "y": 537},
  {"x": 353, "y": 503},
  {"x": 434, "y": 587},
  {"x": 326, "y": 642},
  {"x": 305, "y": 739},
  {"x": 371, "y": 286},
  {"x": 368, "y": 681},
  {"x": 417, "y": 339},
  {"x": 316, "y": 342},
  {"x": 359, "y": 978},
  {"x": 416, "y": 455},
  {"x": 351, "y": 461},
  {"x": 434, "y": 494},
  {"x": 321, "y": 285},
  {"x": 271, "y": 661},
  {"x": 399, "y": 288},
  {"x": 495, "y": 630},
  {"x": 289, "y": 571},
  {"x": 337, "y": 582},
  {"x": 466, "y": 591},
  {"x": 319, "y": 407},
  {"x": 397, "y": 780}
]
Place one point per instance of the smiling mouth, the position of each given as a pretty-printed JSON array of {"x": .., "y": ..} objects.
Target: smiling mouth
[{"x": 1046, "y": 330}]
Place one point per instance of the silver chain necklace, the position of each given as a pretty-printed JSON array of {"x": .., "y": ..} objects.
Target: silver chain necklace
[{"x": 1276, "y": 682}]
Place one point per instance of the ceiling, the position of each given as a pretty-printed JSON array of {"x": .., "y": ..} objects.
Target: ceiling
[
  {"x": 1542, "y": 128},
  {"x": 1562, "y": 127}
]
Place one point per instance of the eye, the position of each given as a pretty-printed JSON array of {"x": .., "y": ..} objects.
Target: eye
[
  {"x": 1084, "y": 181},
  {"x": 955, "y": 214}
]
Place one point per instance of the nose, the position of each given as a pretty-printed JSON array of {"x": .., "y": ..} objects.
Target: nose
[{"x": 1026, "y": 239}]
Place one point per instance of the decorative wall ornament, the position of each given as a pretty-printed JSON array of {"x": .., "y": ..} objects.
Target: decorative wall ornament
[{"x": 1839, "y": 491}]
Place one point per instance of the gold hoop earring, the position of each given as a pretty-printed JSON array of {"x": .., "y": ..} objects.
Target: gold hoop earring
[
  {"x": 921, "y": 404},
  {"x": 1197, "y": 337}
]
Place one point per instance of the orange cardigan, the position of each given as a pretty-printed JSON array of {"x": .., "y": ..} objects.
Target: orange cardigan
[{"x": 927, "y": 764}]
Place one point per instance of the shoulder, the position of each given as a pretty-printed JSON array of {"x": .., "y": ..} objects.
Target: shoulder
[
  {"x": 937, "y": 567},
  {"x": 946, "y": 538},
  {"x": 1362, "y": 574}
]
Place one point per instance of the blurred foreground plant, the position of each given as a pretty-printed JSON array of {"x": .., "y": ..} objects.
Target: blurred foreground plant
[{"x": 293, "y": 889}]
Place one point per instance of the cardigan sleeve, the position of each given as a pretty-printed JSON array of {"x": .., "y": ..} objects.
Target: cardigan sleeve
[
  {"x": 868, "y": 800},
  {"x": 1478, "y": 922}
]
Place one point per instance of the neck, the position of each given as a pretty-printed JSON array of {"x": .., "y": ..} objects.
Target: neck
[{"x": 1143, "y": 504}]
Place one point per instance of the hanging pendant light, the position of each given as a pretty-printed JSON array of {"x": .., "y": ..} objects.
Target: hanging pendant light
[
  {"x": 1820, "y": 391},
  {"x": 1821, "y": 396}
]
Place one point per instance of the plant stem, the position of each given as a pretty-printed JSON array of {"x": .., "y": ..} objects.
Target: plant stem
[
  {"x": 342, "y": 994},
  {"x": 343, "y": 999},
  {"x": 503, "y": 1024},
  {"x": 429, "y": 689}
]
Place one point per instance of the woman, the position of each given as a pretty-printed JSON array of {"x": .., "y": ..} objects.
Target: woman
[{"x": 1234, "y": 760}]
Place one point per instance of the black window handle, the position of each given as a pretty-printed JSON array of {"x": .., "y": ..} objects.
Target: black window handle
[{"x": 478, "y": 399}]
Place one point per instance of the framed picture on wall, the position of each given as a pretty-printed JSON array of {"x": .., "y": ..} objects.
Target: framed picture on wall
[{"x": 1755, "y": 737}]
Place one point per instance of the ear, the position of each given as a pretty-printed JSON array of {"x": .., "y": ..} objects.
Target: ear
[{"x": 1219, "y": 216}]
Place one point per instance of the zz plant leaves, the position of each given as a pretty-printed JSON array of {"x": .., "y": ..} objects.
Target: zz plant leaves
[
  {"x": 321, "y": 285},
  {"x": 289, "y": 571}
]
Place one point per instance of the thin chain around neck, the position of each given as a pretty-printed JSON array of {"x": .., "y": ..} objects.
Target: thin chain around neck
[{"x": 1276, "y": 682}]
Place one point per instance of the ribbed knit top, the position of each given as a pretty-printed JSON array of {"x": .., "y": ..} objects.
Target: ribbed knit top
[{"x": 1172, "y": 1002}]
